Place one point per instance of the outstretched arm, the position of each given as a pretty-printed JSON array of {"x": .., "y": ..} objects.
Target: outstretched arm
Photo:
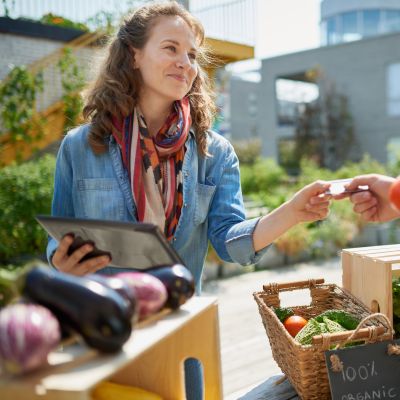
[{"x": 307, "y": 205}]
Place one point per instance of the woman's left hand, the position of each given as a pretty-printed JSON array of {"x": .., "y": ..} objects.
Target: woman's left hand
[{"x": 311, "y": 203}]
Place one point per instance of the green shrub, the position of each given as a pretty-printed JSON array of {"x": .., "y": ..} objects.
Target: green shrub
[
  {"x": 248, "y": 151},
  {"x": 262, "y": 176},
  {"x": 367, "y": 165},
  {"x": 25, "y": 191}
]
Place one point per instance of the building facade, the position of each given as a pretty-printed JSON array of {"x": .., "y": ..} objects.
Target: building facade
[
  {"x": 243, "y": 101},
  {"x": 348, "y": 20},
  {"x": 366, "y": 71}
]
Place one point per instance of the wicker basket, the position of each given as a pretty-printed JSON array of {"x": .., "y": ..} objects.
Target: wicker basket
[{"x": 304, "y": 365}]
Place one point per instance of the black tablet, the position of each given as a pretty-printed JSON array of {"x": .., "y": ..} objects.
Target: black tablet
[{"x": 130, "y": 244}]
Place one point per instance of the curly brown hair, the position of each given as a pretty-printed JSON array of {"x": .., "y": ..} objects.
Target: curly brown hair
[{"x": 114, "y": 93}]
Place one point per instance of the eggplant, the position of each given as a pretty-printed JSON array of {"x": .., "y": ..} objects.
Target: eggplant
[
  {"x": 28, "y": 333},
  {"x": 126, "y": 291},
  {"x": 178, "y": 281},
  {"x": 150, "y": 291},
  {"x": 99, "y": 314}
]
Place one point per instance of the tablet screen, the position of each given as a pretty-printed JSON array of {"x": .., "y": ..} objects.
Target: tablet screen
[{"x": 130, "y": 244}]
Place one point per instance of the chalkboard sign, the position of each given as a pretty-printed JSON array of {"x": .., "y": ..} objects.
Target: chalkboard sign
[{"x": 367, "y": 372}]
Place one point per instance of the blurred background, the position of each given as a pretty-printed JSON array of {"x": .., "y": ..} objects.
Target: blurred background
[{"x": 306, "y": 90}]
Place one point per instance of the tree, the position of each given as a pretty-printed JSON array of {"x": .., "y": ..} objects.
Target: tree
[{"x": 325, "y": 128}]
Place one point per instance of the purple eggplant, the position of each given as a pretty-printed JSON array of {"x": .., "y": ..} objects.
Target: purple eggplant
[
  {"x": 28, "y": 333},
  {"x": 178, "y": 281},
  {"x": 150, "y": 291},
  {"x": 126, "y": 291},
  {"x": 99, "y": 314}
]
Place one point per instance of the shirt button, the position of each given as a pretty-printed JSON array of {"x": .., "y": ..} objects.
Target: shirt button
[
  {"x": 174, "y": 239},
  {"x": 185, "y": 205}
]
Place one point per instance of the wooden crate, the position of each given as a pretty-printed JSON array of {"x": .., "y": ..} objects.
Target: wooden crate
[{"x": 368, "y": 274}]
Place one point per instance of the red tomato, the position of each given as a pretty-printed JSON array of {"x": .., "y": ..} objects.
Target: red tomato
[
  {"x": 394, "y": 194},
  {"x": 294, "y": 324}
]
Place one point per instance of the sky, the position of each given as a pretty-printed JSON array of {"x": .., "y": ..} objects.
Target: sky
[
  {"x": 286, "y": 26},
  {"x": 283, "y": 26}
]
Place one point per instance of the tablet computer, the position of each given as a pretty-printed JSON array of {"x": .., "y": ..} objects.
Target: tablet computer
[{"x": 129, "y": 244}]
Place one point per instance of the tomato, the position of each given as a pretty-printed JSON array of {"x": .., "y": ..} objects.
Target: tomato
[
  {"x": 394, "y": 194},
  {"x": 294, "y": 324}
]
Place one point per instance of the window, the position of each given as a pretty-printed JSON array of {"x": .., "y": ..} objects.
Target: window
[
  {"x": 393, "y": 90},
  {"x": 350, "y": 29},
  {"x": 370, "y": 20},
  {"x": 324, "y": 33},
  {"x": 291, "y": 96},
  {"x": 331, "y": 31},
  {"x": 392, "y": 21}
]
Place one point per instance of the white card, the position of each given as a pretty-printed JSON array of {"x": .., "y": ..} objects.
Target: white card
[{"x": 338, "y": 187}]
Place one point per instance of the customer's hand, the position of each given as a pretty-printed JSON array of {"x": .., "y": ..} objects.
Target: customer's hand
[
  {"x": 72, "y": 264},
  {"x": 311, "y": 203},
  {"x": 373, "y": 205}
]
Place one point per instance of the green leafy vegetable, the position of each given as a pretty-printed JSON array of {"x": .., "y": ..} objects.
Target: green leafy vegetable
[
  {"x": 344, "y": 318},
  {"x": 283, "y": 313}
]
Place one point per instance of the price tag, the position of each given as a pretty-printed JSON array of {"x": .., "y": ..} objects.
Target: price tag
[{"x": 367, "y": 372}]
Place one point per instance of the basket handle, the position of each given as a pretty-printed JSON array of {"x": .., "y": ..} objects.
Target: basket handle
[
  {"x": 340, "y": 336},
  {"x": 277, "y": 287},
  {"x": 371, "y": 333}
]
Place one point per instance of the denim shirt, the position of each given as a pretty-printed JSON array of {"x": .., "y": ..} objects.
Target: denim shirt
[{"x": 97, "y": 186}]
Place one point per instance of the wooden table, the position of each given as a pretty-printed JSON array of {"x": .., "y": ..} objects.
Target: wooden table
[
  {"x": 271, "y": 390},
  {"x": 151, "y": 359}
]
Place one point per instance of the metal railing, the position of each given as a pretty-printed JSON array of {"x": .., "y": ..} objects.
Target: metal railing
[{"x": 231, "y": 20}]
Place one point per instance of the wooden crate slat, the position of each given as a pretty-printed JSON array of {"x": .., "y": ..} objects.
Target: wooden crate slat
[{"x": 369, "y": 249}]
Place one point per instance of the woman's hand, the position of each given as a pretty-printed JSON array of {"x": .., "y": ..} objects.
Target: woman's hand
[
  {"x": 71, "y": 264},
  {"x": 373, "y": 204},
  {"x": 310, "y": 203}
]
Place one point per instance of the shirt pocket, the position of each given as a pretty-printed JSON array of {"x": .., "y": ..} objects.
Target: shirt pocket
[
  {"x": 101, "y": 198},
  {"x": 204, "y": 195}
]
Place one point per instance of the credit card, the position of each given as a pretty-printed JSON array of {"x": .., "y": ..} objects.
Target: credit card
[{"x": 338, "y": 187}]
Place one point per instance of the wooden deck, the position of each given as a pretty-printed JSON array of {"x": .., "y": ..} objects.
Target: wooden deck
[{"x": 246, "y": 355}]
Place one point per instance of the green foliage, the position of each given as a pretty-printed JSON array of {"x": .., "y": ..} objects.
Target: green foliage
[
  {"x": 25, "y": 191},
  {"x": 263, "y": 175},
  {"x": 330, "y": 235},
  {"x": 102, "y": 21},
  {"x": 248, "y": 151},
  {"x": 72, "y": 81},
  {"x": 288, "y": 158},
  {"x": 325, "y": 128},
  {"x": 396, "y": 305},
  {"x": 17, "y": 98},
  {"x": 367, "y": 165},
  {"x": 310, "y": 172},
  {"x": 294, "y": 241},
  {"x": 58, "y": 20}
]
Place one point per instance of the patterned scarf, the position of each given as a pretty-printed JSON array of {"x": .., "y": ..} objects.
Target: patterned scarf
[{"x": 154, "y": 165}]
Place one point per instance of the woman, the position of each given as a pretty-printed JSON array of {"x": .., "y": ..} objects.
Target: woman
[{"x": 148, "y": 154}]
